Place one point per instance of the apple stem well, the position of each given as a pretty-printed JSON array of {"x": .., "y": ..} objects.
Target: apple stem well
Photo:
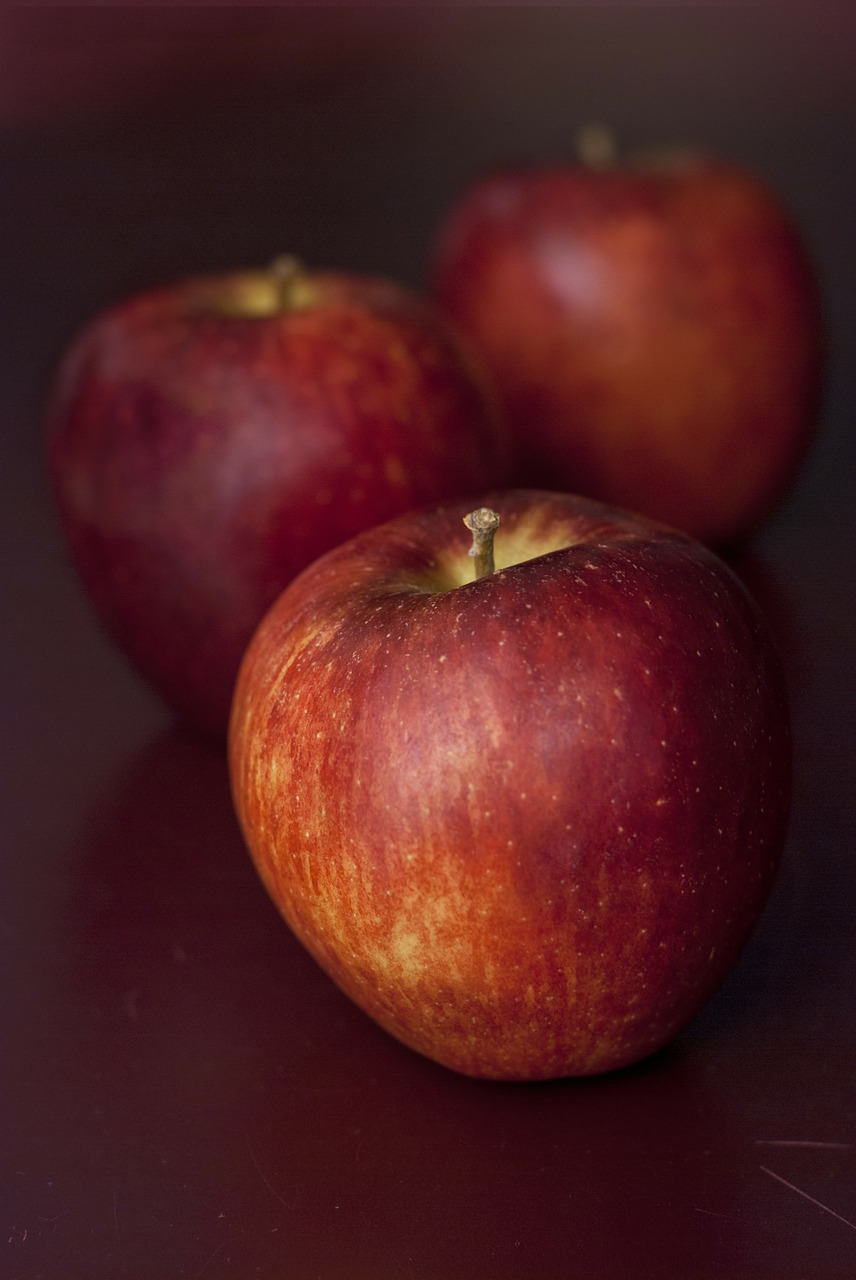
[
  {"x": 483, "y": 524},
  {"x": 596, "y": 147},
  {"x": 285, "y": 272},
  {"x": 283, "y": 285}
]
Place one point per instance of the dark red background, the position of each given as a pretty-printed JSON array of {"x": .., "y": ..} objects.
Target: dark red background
[{"x": 182, "y": 1092}]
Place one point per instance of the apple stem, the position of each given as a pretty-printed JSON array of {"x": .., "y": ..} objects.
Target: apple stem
[
  {"x": 483, "y": 524},
  {"x": 596, "y": 146},
  {"x": 285, "y": 270}
]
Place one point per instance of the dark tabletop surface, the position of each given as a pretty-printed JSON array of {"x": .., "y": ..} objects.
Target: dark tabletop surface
[{"x": 182, "y": 1092}]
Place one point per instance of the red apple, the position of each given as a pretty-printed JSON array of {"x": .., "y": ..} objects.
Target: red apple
[
  {"x": 525, "y": 821},
  {"x": 210, "y": 439},
  {"x": 653, "y": 329}
]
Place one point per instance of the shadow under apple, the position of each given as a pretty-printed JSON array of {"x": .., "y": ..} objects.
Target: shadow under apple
[{"x": 231, "y": 1108}]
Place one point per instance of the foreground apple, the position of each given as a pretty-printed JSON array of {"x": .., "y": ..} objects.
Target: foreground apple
[
  {"x": 210, "y": 439},
  {"x": 525, "y": 821},
  {"x": 653, "y": 328}
]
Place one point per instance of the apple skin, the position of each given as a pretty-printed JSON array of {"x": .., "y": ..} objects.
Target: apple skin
[
  {"x": 654, "y": 330},
  {"x": 210, "y": 438},
  {"x": 527, "y": 822}
]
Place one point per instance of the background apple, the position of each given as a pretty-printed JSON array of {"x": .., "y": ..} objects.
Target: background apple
[
  {"x": 211, "y": 438},
  {"x": 653, "y": 328},
  {"x": 525, "y": 821}
]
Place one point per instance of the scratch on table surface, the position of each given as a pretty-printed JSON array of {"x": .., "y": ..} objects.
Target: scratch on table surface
[
  {"x": 261, "y": 1173},
  {"x": 820, "y": 1205},
  {"x": 803, "y": 1142},
  {"x": 207, "y": 1263},
  {"x": 54, "y": 1220},
  {"x": 119, "y": 1233},
  {"x": 130, "y": 1001}
]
